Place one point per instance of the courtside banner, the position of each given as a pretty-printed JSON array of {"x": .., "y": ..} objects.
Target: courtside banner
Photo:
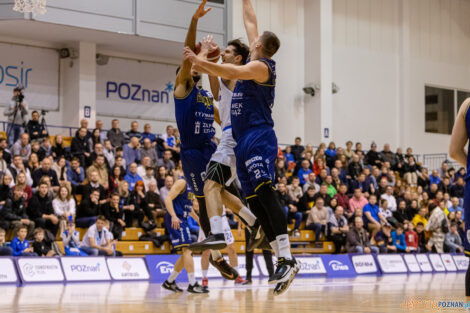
[
  {"x": 127, "y": 268},
  {"x": 364, "y": 264},
  {"x": 7, "y": 271},
  {"x": 448, "y": 262},
  {"x": 461, "y": 262},
  {"x": 311, "y": 265},
  {"x": 391, "y": 263},
  {"x": 40, "y": 270},
  {"x": 338, "y": 265},
  {"x": 85, "y": 269},
  {"x": 412, "y": 263},
  {"x": 262, "y": 264},
  {"x": 424, "y": 263},
  {"x": 161, "y": 266},
  {"x": 437, "y": 263}
]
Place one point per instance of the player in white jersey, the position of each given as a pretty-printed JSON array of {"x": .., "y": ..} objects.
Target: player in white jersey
[{"x": 219, "y": 189}]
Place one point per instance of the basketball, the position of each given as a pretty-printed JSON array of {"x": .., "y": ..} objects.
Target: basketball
[{"x": 212, "y": 56}]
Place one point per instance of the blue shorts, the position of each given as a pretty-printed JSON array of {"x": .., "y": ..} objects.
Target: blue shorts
[
  {"x": 466, "y": 216},
  {"x": 179, "y": 237},
  {"x": 194, "y": 163},
  {"x": 256, "y": 154}
]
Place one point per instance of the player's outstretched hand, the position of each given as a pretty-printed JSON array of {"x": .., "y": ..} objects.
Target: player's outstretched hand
[
  {"x": 201, "y": 10},
  {"x": 189, "y": 54},
  {"x": 175, "y": 222},
  {"x": 208, "y": 44}
]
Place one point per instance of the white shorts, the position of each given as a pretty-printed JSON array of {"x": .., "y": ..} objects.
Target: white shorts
[
  {"x": 225, "y": 154},
  {"x": 227, "y": 232}
]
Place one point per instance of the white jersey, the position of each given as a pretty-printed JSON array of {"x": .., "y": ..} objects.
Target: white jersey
[{"x": 225, "y": 104}]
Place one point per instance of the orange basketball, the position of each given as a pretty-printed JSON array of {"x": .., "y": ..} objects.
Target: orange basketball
[{"x": 212, "y": 56}]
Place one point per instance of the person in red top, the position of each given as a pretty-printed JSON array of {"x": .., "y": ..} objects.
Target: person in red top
[
  {"x": 343, "y": 200},
  {"x": 411, "y": 238}
]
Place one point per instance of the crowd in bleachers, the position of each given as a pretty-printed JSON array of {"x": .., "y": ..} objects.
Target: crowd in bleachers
[{"x": 109, "y": 180}]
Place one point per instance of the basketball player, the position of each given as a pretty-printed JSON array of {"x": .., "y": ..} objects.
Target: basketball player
[
  {"x": 458, "y": 140},
  {"x": 252, "y": 129},
  {"x": 194, "y": 112},
  {"x": 179, "y": 205}
]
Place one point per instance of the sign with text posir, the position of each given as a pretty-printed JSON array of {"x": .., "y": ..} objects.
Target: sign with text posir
[
  {"x": 7, "y": 271},
  {"x": 127, "y": 268},
  {"x": 391, "y": 263},
  {"x": 135, "y": 89},
  {"x": 85, "y": 269},
  {"x": 40, "y": 270}
]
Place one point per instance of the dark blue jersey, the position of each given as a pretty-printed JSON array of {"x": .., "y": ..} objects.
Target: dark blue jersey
[
  {"x": 467, "y": 126},
  {"x": 252, "y": 103},
  {"x": 195, "y": 116},
  {"x": 183, "y": 204}
]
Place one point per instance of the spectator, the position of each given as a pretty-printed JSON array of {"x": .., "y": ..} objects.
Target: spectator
[
  {"x": 384, "y": 240},
  {"x": 304, "y": 172},
  {"x": 114, "y": 214},
  {"x": 437, "y": 224},
  {"x": 458, "y": 189},
  {"x": 140, "y": 206},
  {"x": 434, "y": 178},
  {"x": 455, "y": 206},
  {"x": 323, "y": 193},
  {"x": 108, "y": 153},
  {"x": 403, "y": 214},
  {"x": 115, "y": 135},
  {"x": 147, "y": 134},
  {"x": 161, "y": 175},
  {"x": 411, "y": 238},
  {"x": 99, "y": 166},
  {"x": 133, "y": 132},
  {"x": 387, "y": 155},
  {"x": 372, "y": 216},
  {"x": 132, "y": 177},
  {"x": 148, "y": 177},
  {"x": 357, "y": 200},
  {"x": 343, "y": 200},
  {"x": 71, "y": 241},
  {"x": 16, "y": 113},
  {"x": 311, "y": 182},
  {"x": 96, "y": 240},
  {"x": 388, "y": 195},
  {"x": 18, "y": 166},
  {"x": 40, "y": 245},
  {"x": 14, "y": 213},
  {"x": 411, "y": 172},
  {"x": 288, "y": 156},
  {"x": 166, "y": 188},
  {"x": 36, "y": 148},
  {"x": 103, "y": 133},
  {"x": 152, "y": 198},
  {"x": 4, "y": 148},
  {"x": 169, "y": 140},
  {"x": 46, "y": 170},
  {"x": 166, "y": 161},
  {"x": 80, "y": 147},
  {"x": 294, "y": 191},
  {"x": 131, "y": 151},
  {"x": 23, "y": 187},
  {"x": 4, "y": 169},
  {"x": 307, "y": 201},
  {"x": 94, "y": 139},
  {"x": 355, "y": 167},
  {"x": 453, "y": 242},
  {"x": 88, "y": 210},
  {"x": 421, "y": 216},
  {"x": 331, "y": 190},
  {"x": 148, "y": 151},
  {"x": 35, "y": 129},
  {"x": 125, "y": 203},
  {"x": 297, "y": 149},
  {"x": 58, "y": 148},
  {"x": 290, "y": 210},
  {"x": 398, "y": 238},
  {"x": 75, "y": 173},
  {"x": 40, "y": 210},
  {"x": 22, "y": 147},
  {"x": 338, "y": 229},
  {"x": 349, "y": 152},
  {"x": 84, "y": 124},
  {"x": 33, "y": 162},
  {"x": 119, "y": 160},
  {"x": 20, "y": 245},
  {"x": 317, "y": 219},
  {"x": 386, "y": 214},
  {"x": 60, "y": 168},
  {"x": 4, "y": 249},
  {"x": 358, "y": 240},
  {"x": 141, "y": 169},
  {"x": 64, "y": 207}
]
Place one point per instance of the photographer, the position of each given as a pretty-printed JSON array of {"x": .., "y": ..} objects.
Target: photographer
[
  {"x": 35, "y": 129},
  {"x": 16, "y": 113}
]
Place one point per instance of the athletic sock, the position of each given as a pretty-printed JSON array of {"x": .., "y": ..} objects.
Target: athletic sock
[
  {"x": 284, "y": 246},
  {"x": 191, "y": 278},
  {"x": 173, "y": 276},
  {"x": 216, "y": 225},
  {"x": 275, "y": 247},
  {"x": 204, "y": 273},
  {"x": 248, "y": 216},
  {"x": 215, "y": 254}
]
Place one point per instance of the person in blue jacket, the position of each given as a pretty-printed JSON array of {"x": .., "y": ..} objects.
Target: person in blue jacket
[
  {"x": 70, "y": 239},
  {"x": 20, "y": 245},
  {"x": 398, "y": 238}
]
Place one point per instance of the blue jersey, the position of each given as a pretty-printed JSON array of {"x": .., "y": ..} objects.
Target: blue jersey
[
  {"x": 183, "y": 204},
  {"x": 195, "y": 116},
  {"x": 252, "y": 102}
]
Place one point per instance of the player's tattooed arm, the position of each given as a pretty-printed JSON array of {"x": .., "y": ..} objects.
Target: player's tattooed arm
[
  {"x": 183, "y": 79},
  {"x": 250, "y": 20},
  {"x": 459, "y": 136}
]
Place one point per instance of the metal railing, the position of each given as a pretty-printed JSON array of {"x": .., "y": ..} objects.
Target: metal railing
[{"x": 53, "y": 129}]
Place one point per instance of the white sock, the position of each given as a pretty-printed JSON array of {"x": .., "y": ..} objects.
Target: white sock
[
  {"x": 191, "y": 278},
  {"x": 204, "y": 273},
  {"x": 247, "y": 215},
  {"x": 284, "y": 246},
  {"x": 215, "y": 254},
  {"x": 275, "y": 247},
  {"x": 216, "y": 225},
  {"x": 173, "y": 276}
]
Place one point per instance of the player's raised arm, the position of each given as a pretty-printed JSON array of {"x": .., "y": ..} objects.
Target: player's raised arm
[
  {"x": 459, "y": 136},
  {"x": 251, "y": 23},
  {"x": 184, "y": 75}
]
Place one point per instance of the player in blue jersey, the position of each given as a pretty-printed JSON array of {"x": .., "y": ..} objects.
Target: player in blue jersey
[
  {"x": 194, "y": 112},
  {"x": 179, "y": 206},
  {"x": 458, "y": 140},
  {"x": 252, "y": 128}
]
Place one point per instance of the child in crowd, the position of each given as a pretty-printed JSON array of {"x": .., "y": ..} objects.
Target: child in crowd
[
  {"x": 399, "y": 239},
  {"x": 411, "y": 238},
  {"x": 20, "y": 245},
  {"x": 71, "y": 240},
  {"x": 421, "y": 237},
  {"x": 4, "y": 250},
  {"x": 40, "y": 246}
]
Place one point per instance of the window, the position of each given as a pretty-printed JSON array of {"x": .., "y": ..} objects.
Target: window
[
  {"x": 439, "y": 110},
  {"x": 461, "y": 96},
  {"x": 217, "y": 1}
]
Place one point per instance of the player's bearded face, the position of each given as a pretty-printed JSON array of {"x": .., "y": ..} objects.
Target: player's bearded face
[{"x": 196, "y": 76}]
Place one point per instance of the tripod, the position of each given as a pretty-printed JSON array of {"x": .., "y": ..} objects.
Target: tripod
[
  {"x": 43, "y": 121},
  {"x": 15, "y": 112}
]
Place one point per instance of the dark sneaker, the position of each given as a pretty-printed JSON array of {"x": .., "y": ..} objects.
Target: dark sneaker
[
  {"x": 213, "y": 241},
  {"x": 281, "y": 287},
  {"x": 284, "y": 270},
  {"x": 196, "y": 288},
  {"x": 224, "y": 268},
  {"x": 257, "y": 237},
  {"x": 171, "y": 286}
]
